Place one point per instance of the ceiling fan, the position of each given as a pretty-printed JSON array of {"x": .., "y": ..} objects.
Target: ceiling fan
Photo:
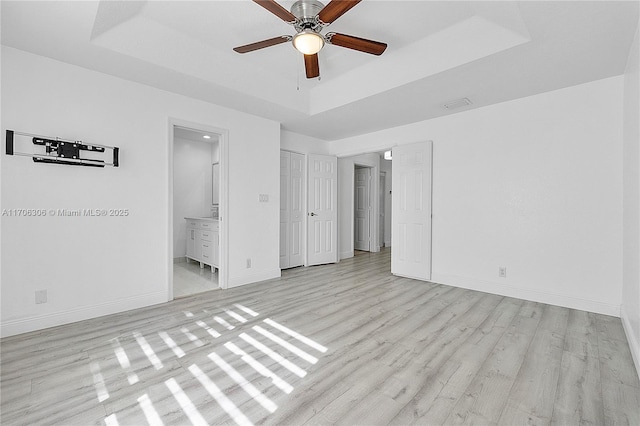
[{"x": 309, "y": 17}]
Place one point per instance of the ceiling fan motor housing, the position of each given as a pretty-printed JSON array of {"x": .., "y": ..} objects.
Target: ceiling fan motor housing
[{"x": 307, "y": 11}]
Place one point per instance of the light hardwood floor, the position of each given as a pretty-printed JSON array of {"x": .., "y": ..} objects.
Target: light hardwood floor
[{"x": 344, "y": 344}]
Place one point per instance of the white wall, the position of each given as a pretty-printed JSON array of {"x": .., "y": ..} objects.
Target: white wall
[
  {"x": 385, "y": 166},
  {"x": 346, "y": 189},
  {"x": 96, "y": 266},
  {"x": 192, "y": 180},
  {"x": 534, "y": 185},
  {"x": 302, "y": 144},
  {"x": 630, "y": 311}
]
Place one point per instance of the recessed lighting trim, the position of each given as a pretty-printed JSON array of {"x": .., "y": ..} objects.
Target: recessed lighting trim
[{"x": 207, "y": 137}]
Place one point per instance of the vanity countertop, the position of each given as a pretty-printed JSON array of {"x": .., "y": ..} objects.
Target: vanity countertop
[{"x": 211, "y": 219}]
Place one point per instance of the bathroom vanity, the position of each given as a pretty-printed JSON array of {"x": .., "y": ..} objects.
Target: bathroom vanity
[{"x": 203, "y": 241}]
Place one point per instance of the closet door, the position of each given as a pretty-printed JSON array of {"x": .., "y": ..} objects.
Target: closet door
[
  {"x": 296, "y": 212},
  {"x": 292, "y": 173},
  {"x": 285, "y": 207}
]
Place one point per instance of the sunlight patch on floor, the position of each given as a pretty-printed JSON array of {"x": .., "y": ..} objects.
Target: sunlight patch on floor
[
  {"x": 262, "y": 340},
  {"x": 149, "y": 412},
  {"x": 185, "y": 403}
]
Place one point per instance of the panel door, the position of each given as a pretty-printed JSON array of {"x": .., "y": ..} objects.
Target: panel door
[
  {"x": 381, "y": 201},
  {"x": 362, "y": 209},
  {"x": 411, "y": 211},
  {"x": 322, "y": 229},
  {"x": 285, "y": 195},
  {"x": 296, "y": 210}
]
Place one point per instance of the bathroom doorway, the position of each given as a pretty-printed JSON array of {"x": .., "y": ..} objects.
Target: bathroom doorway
[{"x": 196, "y": 204}]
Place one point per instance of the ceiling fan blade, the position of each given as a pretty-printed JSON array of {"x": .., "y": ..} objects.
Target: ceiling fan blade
[
  {"x": 312, "y": 66},
  {"x": 277, "y": 10},
  {"x": 335, "y": 9},
  {"x": 262, "y": 44},
  {"x": 356, "y": 43}
]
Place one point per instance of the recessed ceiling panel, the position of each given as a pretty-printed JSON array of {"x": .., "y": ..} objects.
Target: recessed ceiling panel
[{"x": 437, "y": 51}]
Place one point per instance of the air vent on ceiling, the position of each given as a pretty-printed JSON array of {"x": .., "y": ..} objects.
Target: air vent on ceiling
[{"x": 458, "y": 103}]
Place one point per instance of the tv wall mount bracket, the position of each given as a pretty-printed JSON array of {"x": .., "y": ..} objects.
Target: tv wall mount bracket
[{"x": 62, "y": 151}]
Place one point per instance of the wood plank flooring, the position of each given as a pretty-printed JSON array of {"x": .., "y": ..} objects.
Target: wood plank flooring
[{"x": 336, "y": 344}]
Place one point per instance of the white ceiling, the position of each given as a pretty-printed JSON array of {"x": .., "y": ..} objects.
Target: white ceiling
[
  {"x": 438, "y": 51},
  {"x": 194, "y": 135}
]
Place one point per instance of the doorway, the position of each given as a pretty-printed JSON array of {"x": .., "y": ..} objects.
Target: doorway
[
  {"x": 197, "y": 195},
  {"x": 362, "y": 208}
]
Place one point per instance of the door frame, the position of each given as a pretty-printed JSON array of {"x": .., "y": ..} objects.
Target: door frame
[{"x": 223, "y": 209}]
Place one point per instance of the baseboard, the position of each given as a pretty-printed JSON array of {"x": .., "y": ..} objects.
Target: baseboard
[
  {"x": 254, "y": 277},
  {"x": 528, "y": 294},
  {"x": 182, "y": 259},
  {"x": 634, "y": 345},
  {"x": 40, "y": 322},
  {"x": 346, "y": 254}
]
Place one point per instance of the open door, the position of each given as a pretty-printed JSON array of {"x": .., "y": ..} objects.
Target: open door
[
  {"x": 322, "y": 223},
  {"x": 411, "y": 211}
]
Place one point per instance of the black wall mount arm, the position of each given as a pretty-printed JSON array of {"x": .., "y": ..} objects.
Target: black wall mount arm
[{"x": 62, "y": 151}]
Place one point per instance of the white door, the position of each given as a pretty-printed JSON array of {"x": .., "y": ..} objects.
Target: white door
[
  {"x": 322, "y": 223},
  {"x": 411, "y": 211},
  {"x": 296, "y": 215},
  {"x": 285, "y": 196},
  {"x": 362, "y": 209},
  {"x": 381, "y": 201},
  {"x": 291, "y": 209}
]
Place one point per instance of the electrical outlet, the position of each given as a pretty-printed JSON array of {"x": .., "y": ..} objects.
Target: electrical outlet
[
  {"x": 41, "y": 296},
  {"x": 502, "y": 272},
  {"x": 248, "y": 262},
  {"x": 263, "y": 198}
]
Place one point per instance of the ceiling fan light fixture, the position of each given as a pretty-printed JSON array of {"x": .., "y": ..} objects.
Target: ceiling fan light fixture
[{"x": 308, "y": 42}]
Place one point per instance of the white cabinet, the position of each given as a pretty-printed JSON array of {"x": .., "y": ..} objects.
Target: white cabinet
[
  {"x": 191, "y": 242},
  {"x": 292, "y": 172},
  {"x": 203, "y": 239}
]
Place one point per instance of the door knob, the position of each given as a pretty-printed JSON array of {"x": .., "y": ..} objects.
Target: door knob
[{"x": 312, "y": 214}]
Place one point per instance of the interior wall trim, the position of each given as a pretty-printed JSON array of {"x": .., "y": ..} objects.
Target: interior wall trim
[
  {"x": 40, "y": 322},
  {"x": 255, "y": 277},
  {"x": 511, "y": 290}
]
